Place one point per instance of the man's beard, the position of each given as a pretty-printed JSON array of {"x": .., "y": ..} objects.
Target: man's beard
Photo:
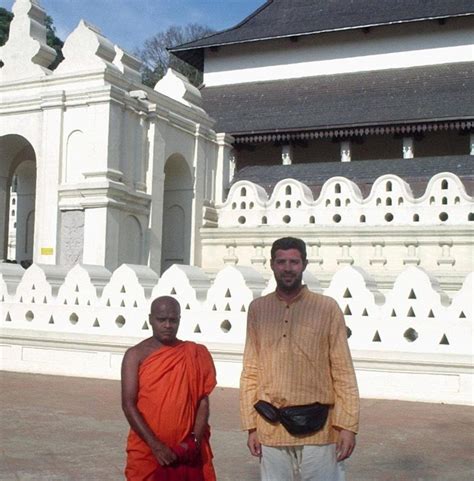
[{"x": 295, "y": 284}]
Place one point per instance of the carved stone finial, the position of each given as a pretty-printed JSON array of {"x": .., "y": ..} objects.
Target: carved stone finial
[
  {"x": 128, "y": 65},
  {"x": 178, "y": 87},
  {"x": 86, "y": 49},
  {"x": 26, "y": 53}
]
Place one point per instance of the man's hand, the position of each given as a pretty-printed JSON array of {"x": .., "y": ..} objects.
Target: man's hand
[
  {"x": 253, "y": 444},
  {"x": 164, "y": 455},
  {"x": 345, "y": 444}
]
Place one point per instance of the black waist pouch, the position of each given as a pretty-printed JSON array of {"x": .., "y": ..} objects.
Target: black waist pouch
[{"x": 297, "y": 420}]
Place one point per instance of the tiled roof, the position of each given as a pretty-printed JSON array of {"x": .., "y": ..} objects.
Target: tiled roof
[
  {"x": 384, "y": 97},
  {"x": 284, "y": 18},
  {"x": 416, "y": 172}
]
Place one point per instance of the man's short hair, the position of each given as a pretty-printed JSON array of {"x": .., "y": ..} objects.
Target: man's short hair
[{"x": 286, "y": 243}]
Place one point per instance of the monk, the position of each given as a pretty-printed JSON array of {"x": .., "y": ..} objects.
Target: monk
[{"x": 165, "y": 387}]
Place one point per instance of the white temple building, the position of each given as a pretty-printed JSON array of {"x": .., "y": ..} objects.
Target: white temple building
[{"x": 350, "y": 128}]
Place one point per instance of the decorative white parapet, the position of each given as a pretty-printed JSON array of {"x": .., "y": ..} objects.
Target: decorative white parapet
[
  {"x": 178, "y": 87},
  {"x": 86, "y": 49},
  {"x": 128, "y": 65},
  {"x": 384, "y": 232},
  {"x": 411, "y": 341},
  {"x": 26, "y": 53},
  {"x": 340, "y": 203}
]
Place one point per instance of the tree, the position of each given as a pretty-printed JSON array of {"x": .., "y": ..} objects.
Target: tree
[
  {"x": 51, "y": 39},
  {"x": 5, "y": 18},
  {"x": 157, "y": 59}
]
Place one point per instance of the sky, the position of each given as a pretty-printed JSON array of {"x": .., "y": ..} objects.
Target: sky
[{"x": 128, "y": 23}]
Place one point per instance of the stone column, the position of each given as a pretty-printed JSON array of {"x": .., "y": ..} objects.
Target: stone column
[
  {"x": 48, "y": 177},
  {"x": 287, "y": 154},
  {"x": 224, "y": 170},
  {"x": 155, "y": 186},
  {"x": 346, "y": 151},
  {"x": 4, "y": 214},
  {"x": 408, "y": 148}
]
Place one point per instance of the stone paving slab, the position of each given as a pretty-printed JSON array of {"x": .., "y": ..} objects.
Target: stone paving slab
[{"x": 72, "y": 429}]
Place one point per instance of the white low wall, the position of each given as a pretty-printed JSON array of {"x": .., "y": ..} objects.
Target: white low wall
[
  {"x": 410, "y": 342},
  {"x": 383, "y": 233}
]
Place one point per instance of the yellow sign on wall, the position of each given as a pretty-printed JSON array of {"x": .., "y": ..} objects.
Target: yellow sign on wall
[{"x": 47, "y": 251}]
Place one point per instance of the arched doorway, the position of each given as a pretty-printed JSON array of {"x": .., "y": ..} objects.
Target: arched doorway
[
  {"x": 177, "y": 213},
  {"x": 17, "y": 199}
]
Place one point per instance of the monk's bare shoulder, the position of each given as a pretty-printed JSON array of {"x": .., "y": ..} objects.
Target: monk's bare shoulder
[{"x": 136, "y": 354}]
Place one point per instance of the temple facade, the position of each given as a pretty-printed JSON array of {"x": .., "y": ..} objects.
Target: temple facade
[{"x": 348, "y": 127}]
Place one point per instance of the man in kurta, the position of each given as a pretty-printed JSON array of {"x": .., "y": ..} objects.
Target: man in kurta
[
  {"x": 296, "y": 354},
  {"x": 165, "y": 387}
]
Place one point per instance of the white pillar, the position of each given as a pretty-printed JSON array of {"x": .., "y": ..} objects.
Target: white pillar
[
  {"x": 3, "y": 215},
  {"x": 155, "y": 178},
  {"x": 408, "y": 148},
  {"x": 287, "y": 154},
  {"x": 346, "y": 151},
  {"x": 48, "y": 176},
  {"x": 224, "y": 168}
]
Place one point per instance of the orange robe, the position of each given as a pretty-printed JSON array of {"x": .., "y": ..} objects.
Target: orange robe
[{"x": 172, "y": 381}]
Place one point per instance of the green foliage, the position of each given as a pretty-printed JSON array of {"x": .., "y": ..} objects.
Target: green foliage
[
  {"x": 5, "y": 19},
  {"x": 51, "y": 39},
  {"x": 157, "y": 59}
]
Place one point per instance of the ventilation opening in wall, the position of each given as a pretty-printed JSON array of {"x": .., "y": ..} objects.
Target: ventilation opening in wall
[
  {"x": 242, "y": 219},
  {"x": 376, "y": 337},
  {"x": 197, "y": 329},
  {"x": 288, "y": 204},
  {"x": 444, "y": 340},
  {"x": 348, "y": 332},
  {"x": 73, "y": 318},
  {"x": 444, "y": 184},
  {"x": 264, "y": 220},
  {"x": 389, "y": 217},
  {"x": 242, "y": 205},
  {"x": 337, "y": 218},
  {"x": 443, "y": 217},
  {"x": 120, "y": 321},
  {"x": 234, "y": 205},
  {"x": 277, "y": 205},
  {"x": 251, "y": 205},
  {"x": 286, "y": 219},
  {"x": 410, "y": 335},
  {"x": 470, "y": 216},
  {"x": 416, "y": 218},
  {"x": 388, "y": 186},
  {"x": 29, "y": 316},
  {"x": 288, "y": 190},
  {"x": 243, "y": 192},
  {"x": 145, "y": 326},
  {"x": 362, "y": 219},
  {"x": 312, "y": 220},
  {"x": 226, "y": 326}
]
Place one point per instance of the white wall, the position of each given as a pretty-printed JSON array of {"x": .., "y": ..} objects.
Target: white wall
[
  {"x": 397, "y": 46},
  {"x": 409, "y": 340}
]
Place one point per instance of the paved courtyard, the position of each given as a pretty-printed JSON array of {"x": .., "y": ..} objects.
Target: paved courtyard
[{"x": 72, "y": 429}]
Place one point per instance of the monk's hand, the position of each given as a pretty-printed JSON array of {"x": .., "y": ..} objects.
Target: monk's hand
[
  {"x": 164, "y": 455},
  {"x": 253, "y": 444},
  {"x": 345, "y": 444}
]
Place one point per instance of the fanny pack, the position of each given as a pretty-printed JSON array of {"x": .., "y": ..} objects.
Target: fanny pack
[{"x": 297, "y": 420}]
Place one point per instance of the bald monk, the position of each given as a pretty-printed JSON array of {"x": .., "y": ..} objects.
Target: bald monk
[{"x": 165, "y": 388}]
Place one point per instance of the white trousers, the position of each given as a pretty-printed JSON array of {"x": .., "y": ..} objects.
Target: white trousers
[{"x": 301, "y": 463}]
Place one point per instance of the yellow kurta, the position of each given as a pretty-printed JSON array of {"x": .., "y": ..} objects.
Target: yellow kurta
[{"x": 297, "y": 353}]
